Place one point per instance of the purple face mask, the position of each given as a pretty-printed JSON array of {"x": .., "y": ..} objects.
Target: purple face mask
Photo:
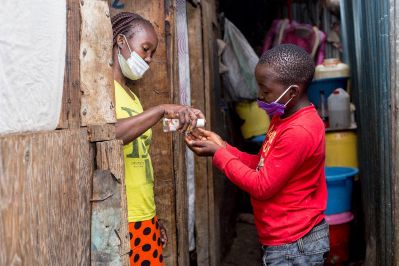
[{"x": 275, "y": 108}]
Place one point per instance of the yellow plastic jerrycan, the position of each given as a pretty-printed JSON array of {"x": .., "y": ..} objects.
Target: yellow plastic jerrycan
[
  {"x": 331, "y": 68},
  {"x": 341, "y": 149},
  {"x": 256, "y": 121}
]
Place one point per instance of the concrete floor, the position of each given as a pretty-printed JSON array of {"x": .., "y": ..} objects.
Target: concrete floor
[{"x": 246, "y": 248}]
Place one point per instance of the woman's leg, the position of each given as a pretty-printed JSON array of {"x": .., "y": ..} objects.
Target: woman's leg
[{"x": 145, "y": 243}]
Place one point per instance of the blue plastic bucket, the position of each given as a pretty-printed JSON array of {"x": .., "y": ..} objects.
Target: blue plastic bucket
[
  {"x": 339, "y": 186},
  {"x": 327, "y": 85}
]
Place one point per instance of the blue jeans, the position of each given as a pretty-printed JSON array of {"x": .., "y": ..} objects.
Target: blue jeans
[{"x": 312, "y": 249}]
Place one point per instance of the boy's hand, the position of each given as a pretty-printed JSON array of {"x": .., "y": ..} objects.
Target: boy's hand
[
  {"x": 202, "y": 134},
  {"x": 204, "y": 143}
]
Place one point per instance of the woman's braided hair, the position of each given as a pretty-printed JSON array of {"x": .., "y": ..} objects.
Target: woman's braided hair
[{"x": 125, "y": 22}]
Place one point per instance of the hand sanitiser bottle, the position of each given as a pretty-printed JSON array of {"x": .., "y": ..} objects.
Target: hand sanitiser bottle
[{"x": 170, "y": 125}]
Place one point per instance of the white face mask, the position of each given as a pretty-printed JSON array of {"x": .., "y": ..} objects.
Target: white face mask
[{"x": 134, "y": 67}]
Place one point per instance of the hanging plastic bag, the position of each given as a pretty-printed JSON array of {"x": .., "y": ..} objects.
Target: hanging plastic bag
[{"x": 240, "y": 60}]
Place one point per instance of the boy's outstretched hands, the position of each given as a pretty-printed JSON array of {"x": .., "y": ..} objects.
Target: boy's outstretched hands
[{"x": 203, "y": 142}]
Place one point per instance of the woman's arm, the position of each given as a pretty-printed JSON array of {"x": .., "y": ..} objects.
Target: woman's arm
[{"x": 128, "y": 129}]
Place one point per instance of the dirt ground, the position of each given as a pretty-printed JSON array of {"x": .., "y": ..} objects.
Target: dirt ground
[{"x": 246, "y": 248}]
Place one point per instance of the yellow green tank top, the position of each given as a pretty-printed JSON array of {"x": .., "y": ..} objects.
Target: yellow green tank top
[{"x": 139, "y": 176}]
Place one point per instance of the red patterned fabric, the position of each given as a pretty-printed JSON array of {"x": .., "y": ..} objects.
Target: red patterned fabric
[{"x": 145, "y": 243}]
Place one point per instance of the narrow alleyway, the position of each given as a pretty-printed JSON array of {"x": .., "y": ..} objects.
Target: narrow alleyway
[{"x": 245, "y": 249}]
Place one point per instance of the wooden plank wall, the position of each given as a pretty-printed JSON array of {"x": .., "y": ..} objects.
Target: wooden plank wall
[
  {"x": 45, "y": 186},
  {"x": 88, "y": 95},
  {"x": 211, "y": 74},
  {"x": 46, "y": 178},
  {"x": 106, "y": 221},
  {"x": 96, "y": 75},
  {"x": 70, "y": 110},
  {"x": 109, "y": 234},
  {"x": 184, "y": 158},
  {"x": 201, "y": 164},
  {"x": 394, "y": 52},
  {"x": 45, "y": 191},
  {"x": 177, "y": 146},
  {"x": 154, "y": 89}
]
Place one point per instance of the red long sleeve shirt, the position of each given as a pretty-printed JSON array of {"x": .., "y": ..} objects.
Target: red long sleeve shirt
[{"x": 286, "y": 180}]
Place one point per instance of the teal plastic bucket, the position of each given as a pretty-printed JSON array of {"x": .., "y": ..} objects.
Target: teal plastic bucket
[{"x": 339, "y": 186}]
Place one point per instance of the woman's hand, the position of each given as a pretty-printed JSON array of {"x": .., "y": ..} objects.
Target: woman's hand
[
  {"x": 164, "y": 236},
  {"x": 187, "y": 115},
  {"x": 204, "y": 143},
  {"x": 130, "y": 128}
]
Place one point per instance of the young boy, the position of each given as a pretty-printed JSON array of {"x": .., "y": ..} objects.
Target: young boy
[{"x": 286, "y": 178}]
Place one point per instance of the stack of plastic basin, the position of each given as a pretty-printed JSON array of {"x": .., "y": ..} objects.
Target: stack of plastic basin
[
  {"x": 338, "y": 212},
  {"x": 339, "y": 225},
  {"x": 339, "y": 185},
  {"x": 341, "y": 148}
]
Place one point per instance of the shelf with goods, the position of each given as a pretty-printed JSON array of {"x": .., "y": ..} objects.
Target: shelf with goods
[{"x": 329, "y": 92}]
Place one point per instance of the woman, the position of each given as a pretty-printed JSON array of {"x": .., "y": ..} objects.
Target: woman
[{"x": 134, "y": 44}]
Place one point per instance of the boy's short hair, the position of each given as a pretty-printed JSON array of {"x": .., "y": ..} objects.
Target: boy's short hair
[{"x": 292, "y": 64}]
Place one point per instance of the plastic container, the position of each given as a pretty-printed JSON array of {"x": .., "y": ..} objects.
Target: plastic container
[
  {"x": 331, "y": 68},
  {"x": 327, "y": 86},
  {"x": 339, "y": 186},
  {"x": 353, "y": 121},
  {"x": 339, "y": 110},
  {"x": 322, "y": 110},
  {"x": 256, "y": 122},
  {"x": 339, "y": 226},
  {"x": 258, "y": 139},
  {"x": 341, "y": 149},
  {"x": 170, "y": 125}
]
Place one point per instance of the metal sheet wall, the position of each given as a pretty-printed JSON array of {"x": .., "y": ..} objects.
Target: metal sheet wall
[{"x": 366, "y": 27}]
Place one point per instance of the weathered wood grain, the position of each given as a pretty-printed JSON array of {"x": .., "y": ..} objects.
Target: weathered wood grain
[
  {"x": 107, "y": 232},
  {"x": 45, "y": 189},
  {"x": 198, "y": 101},
  {"x": 109, "y": 157},
  {"x": 173, "y": 82},
  {"x": 184, "y": 158},
  {"x": 209, "y": 23},
  {"x": 70, "y": 110},
  {"x": 101, "y": 132},
  {"x": 96, "y": 75}
]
